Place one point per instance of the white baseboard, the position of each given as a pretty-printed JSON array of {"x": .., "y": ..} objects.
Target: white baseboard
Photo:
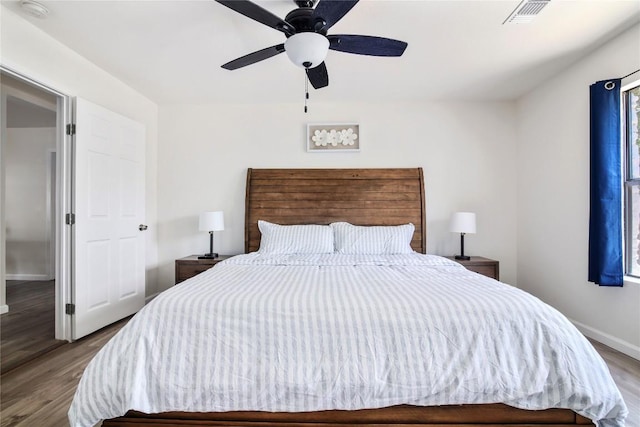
[
  {"x": 29, "y": 277},
  {"x": 609, "y": 340},
  {"x": 4, "y": 309}
]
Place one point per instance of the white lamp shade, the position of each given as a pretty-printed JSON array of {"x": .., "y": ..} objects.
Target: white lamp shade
[
  {"x": 212, "y": 221},
  {"x": 463, "y": 222},
  {"x": 307, "y": 48}
]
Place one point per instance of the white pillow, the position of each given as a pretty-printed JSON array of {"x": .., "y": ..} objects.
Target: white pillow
[
  {"x": 295, "y": 239},
  {"x": 372, "y": 240}
]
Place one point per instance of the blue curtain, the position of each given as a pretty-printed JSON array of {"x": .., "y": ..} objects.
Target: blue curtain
[{"x": 605, "y": 219}]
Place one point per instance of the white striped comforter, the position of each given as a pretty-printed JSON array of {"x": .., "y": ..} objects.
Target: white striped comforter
[{"x": 316, "y": 332}]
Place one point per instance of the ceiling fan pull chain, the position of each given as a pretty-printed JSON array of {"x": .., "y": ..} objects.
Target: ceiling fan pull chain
[{"x": 306, "y": 91}]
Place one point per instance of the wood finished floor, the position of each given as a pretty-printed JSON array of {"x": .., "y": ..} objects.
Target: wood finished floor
[
  {"x": 28, "y": 329},
  {"x": 38, "y": 393},
  {"x": 625, "y": 371}
]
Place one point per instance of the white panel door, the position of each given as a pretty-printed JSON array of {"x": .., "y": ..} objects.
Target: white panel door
[{"x": 109, "y": 250}]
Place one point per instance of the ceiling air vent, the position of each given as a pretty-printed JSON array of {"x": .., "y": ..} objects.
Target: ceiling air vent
[{"x": 526, "y": 11}]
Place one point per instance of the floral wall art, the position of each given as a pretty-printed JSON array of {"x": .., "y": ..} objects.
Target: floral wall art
[{"x": 333, "y": 137}]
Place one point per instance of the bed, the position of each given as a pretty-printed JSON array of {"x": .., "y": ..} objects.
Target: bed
[{"x": 177, "y": 350}]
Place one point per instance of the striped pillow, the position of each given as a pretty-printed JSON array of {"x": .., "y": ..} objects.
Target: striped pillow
[
  {"x": 295, "y": 239},
  {"x": 372, "y": 240}
]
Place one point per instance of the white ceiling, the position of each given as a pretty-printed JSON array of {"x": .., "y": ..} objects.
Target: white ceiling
[{"x": 171, "y": 51}]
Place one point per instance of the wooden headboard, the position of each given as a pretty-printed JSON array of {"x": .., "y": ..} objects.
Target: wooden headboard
[{"x": 323, "y": 196}]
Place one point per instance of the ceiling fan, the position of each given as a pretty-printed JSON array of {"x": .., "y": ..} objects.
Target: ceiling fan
[{"x": 307, "y": 41}]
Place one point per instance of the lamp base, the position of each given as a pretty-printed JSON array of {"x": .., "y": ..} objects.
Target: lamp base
[
  {"x": 208, "y": 256},
  {"x": 463, "y": 257}
]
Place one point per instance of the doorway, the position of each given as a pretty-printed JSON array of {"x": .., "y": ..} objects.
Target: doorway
[{"x": 32, "y": 198}]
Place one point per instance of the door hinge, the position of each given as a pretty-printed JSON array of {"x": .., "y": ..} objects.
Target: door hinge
[
  {"x": 70, "y": 219},
  {"x": 71, "y": 129},
  {"x": 70, "y": 308}
]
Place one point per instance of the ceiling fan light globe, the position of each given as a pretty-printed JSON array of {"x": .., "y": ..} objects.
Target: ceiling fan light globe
[{"x": 307, "y": 50}]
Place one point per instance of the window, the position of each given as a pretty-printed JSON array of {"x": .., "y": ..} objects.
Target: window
[{"x": 631, "y": 138}]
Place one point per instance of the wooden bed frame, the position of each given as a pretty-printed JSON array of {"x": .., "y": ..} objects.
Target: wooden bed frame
[{"x": 362, "y": 197}]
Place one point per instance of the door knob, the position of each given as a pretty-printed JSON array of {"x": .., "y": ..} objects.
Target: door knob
[{"x": 142, "y": 227}]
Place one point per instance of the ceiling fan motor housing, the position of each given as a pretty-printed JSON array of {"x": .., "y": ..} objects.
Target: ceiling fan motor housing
[
  {"x": 305, "y": 3},
  {"x": 303, "y": 21}
]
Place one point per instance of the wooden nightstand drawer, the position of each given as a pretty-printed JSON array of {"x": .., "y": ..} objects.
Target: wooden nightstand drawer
[
  {"x": 489, "y": 271},
  {"x": 190, "y": 266},
  {"x": 485, "y": 266}
]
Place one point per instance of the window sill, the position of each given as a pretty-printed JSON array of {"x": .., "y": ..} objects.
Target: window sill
[{"x": 631, "y": 280}]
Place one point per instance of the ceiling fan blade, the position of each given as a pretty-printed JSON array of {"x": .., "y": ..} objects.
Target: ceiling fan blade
[
  {"x": 318, "y": 76},
  {"x": 257, "y": 13},
  {"x": 254, "y": 57},
  {"x": 331, "y": 11},
  {"x": 366, "y": 45}
]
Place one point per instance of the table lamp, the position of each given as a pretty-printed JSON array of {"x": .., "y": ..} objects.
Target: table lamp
[
  {"x": 211, "y": 221},
  {"x": 462, "y": 222}
]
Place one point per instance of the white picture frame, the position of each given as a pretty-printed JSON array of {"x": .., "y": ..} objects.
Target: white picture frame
[{"x": 333, "y": 137}]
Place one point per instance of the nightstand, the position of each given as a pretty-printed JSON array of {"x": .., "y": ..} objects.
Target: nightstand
[
  {"x": 190, "y": 266},
  {"x": 484, "y": 266}
]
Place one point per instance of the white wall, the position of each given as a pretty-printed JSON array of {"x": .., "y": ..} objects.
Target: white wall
[
  {"x": 553, "y": 198},
  {"x": 33, "y": 53},
  {"x": 28, "y": 232},
  {"x": 467, "y": 151}
]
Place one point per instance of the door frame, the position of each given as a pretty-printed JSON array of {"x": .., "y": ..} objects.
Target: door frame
[{"x": 63, "y": 204}]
